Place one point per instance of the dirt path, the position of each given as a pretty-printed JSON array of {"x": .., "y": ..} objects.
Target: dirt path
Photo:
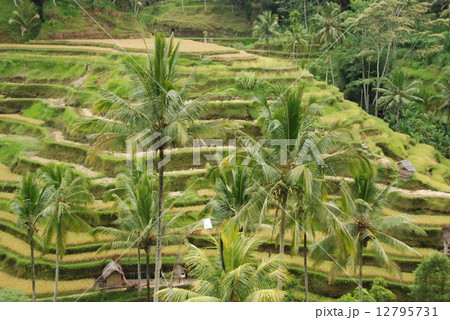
[
  {"x": 79, "y": 82},
  {"x": 172, "y": 173},
  {"x": 421, "y": 193},
  {"x": 85, "y": 112},
  {"x": 58, "y": 136},
  {"x": 90, "y": 173},
  {"x": 242, "y": 55}
]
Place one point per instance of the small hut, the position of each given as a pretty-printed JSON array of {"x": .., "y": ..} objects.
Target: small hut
[
  {"x": 113, "y": 276},
  {"x": 406, "y": 169}
]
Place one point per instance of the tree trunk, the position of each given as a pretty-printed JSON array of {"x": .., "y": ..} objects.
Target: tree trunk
[
  {"x": 331, "y": 68},
  {"x": 55, "y": 293},
  {"x": 205, "y": 5},
  {"x": 305, "y": 265},
  {"x": 397, "y": 114},
  {"x": 360, "y": 275},
  {"x": 182, "y": 5},
  {"x": 147, "y": 272},
  {"x": 160, "y": 213},
  {"x": 33, "y": 273},
  {"x": 282, "y": 232},
  {"x": 304, "y": 14},
  {"x": 139, "y": 270}
]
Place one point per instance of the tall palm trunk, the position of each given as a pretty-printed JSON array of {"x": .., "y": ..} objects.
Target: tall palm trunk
[
  {"x": 305, "y": 265},
  {"x": 139, "y": 269},
  {"x": 282, "y": 232},
  {"x": 304, "y": 14},
  {"x": 147, "y": 271},
  {"x": 360, "y": 275},
  {"x": 397, "y": 114},
  {"x": 55, "y": 293},
  {"x": 160, "y": 213},
  {"x": 331, "y": 68},
  {"x": 33, "y": 274}
]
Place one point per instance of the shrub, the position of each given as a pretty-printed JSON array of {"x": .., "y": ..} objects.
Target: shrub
[
  {"x": 377, "y": 292},
  {"x": 248, "y": 80},
  {"x": 432, "y": 279},
  {"x": 11, "y": 295}
]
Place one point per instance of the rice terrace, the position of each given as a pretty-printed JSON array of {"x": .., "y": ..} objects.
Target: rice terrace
[{"x": 224, "y": 151}]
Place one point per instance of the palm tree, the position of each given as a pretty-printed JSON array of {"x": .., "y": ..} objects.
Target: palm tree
[
  {"x": 265, "y": 27},
  {"x": 397, "y": 92},
  {"x": 28, "y": 206},
  {"x": 443, "y": 98},
  {"x": 136, "y": 202},
  {"x": 237, "y": 196},
  {"x": 231, "y": 275},
  {"x": 361, "y": 203},
  {"x": 65, "y": 208},
  {"x": 25, "y": 16},
  {"x": 162, "y": 111},
  {"x": 329, "y": 19},
  {"x": 295, "y": 39},
  {"x": 289, "y": 179}
]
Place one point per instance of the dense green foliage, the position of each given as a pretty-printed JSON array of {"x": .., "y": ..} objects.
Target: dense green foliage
[
  {"x": 377, "y": 292},
  {"x": 11, "y": 295},
  {"x": 432, "y": 279}
]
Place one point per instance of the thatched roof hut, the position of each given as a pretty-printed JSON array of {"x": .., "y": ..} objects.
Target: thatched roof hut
[
  {"x": 406, "y": 169},
  {"x": 113, "y": 276}
]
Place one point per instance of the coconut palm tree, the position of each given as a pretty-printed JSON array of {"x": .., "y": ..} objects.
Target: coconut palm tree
[
  {"x": 136, "y": 202},
  {"x": 330, "y": 20},
  {"x": 398, "y": 92},
  {"x": 443, "y": 98},
  {"x": 287, "y": 174},
  {"x": 25, "y": 16},
  {"x": 231, "y": 275},
  {"x": 266, "y": 27},
  {"x": 65, "y": 209},
  {"x": 161, "y": 111},
  {"x": 370, "y": 231},
  {"x": 237, "y": 196},
  {"x": 28, "y": 206},
  {"x": 295, "y": 39}
]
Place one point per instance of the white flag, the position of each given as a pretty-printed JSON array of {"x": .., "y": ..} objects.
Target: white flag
[{"x": 207, "y": 223}]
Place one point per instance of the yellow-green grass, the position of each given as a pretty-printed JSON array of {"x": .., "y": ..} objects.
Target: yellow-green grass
[
  {"x": 423, "y": 220},
  {"x": 6, "y": 216},
  {"x": 6, "y": 175},
  {"x": 266, "y": 63},
  {"x": 6, "y": 195},
  {"x": 435, "y": 181},
  {"x": 186, "y": 46},
  {"x": 75, "y": 239},
  {"x": 326, "y": 267},
  {"x": 209, "y": 193},
  {"x": 102, "y": 205},
  {"x": 55, "y": 47},
  {"x": 424, "y": 252},
  {"x": 187, "y": 208},
  {"x": 43, "y": 287},
  {"x": 20, "y": 118},
  {"x": 22, "y": 248}
]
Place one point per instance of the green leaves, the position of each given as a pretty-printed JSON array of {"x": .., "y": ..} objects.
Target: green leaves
[{"x": 231, "y": 275}]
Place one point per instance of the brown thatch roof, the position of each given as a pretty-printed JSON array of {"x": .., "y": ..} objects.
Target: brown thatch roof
[{"x": 111, "y": 268}]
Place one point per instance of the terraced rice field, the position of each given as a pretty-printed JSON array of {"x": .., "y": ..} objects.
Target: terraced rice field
[{"x": 63, "y": 100}]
